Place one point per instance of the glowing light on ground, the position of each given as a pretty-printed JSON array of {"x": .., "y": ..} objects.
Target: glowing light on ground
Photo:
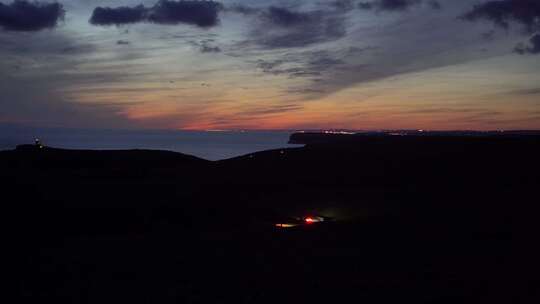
[{"x": 286, "y": 225}]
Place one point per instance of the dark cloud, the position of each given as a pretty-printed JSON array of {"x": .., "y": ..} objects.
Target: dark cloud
[
  {"x": 365, "y": 5},
  {"x": 304, "y": 64},
  {"x": 395, "y": 4},
  {"x": 272, "y": 110},
  {"x": 122, "y": 42},
  {"x": 118, "y": 16},
  {"x": 285, "y": 28},
  {"x": 267, "y": 66},
  {"x": 206, "y": 45},
  {"x": 76, "y": 49},
  {"x": 285, "y": 17},
  {"x": 199, "y": 13},
  {"x": 501, "y": 13},
  {"x": 322, "y": 71},
  {"x": 295, "y": 72},
  {"x": 209, "y": 49},
  {"x": 344, "y": 5},
  {"x": 533, "y": 48},
  {"x": 434, "y": 4},
  {"x": 325, "y": 62},
  {"x": 535, "y": 42},
  {"x": 193, "y": 12},
  {"x": 22, "y": 15},
  {"x": 389, "y": 5},
  {"x": 305, "y": 91}
]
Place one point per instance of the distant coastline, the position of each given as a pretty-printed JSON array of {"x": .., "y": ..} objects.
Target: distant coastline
[
  {"x": 213, "y": 144},
  {"x": 318, "y": 137},
  {"x": 203, "y": 144}
]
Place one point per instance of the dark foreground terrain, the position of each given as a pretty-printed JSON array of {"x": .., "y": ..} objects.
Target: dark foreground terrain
[{"x": 415, "y": 219}]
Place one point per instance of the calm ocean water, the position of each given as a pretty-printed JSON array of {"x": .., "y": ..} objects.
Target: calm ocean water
[{"x": 207, "y": 145}]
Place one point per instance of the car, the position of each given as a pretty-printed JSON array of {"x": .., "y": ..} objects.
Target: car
[{"x": 300, "y": 221}]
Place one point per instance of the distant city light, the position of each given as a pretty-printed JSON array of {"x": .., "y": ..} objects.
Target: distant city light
[{"x": 337, "y": 132}]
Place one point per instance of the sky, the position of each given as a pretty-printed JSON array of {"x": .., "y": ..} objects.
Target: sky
[{"x": 252, "y": 64}]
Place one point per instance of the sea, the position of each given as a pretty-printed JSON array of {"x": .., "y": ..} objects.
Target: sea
[{"x": 210, "y": 145}]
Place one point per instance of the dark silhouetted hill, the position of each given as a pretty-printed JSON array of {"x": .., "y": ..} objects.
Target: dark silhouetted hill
[{"x": 425, "y": 219}]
